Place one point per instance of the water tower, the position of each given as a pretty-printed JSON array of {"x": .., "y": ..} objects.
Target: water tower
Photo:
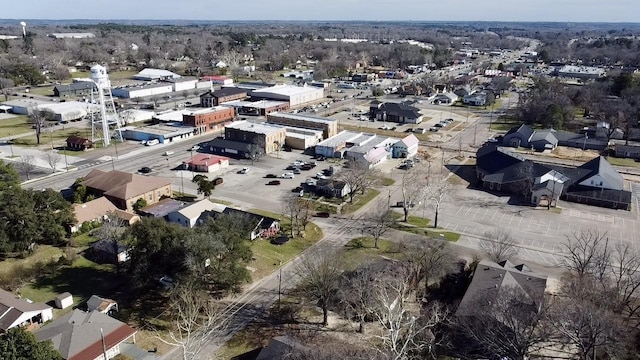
[
  {"x": 24, "y": 28},
  {"x": 101, "y": 96}
]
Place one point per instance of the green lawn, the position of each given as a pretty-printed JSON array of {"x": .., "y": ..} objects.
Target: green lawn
[
  {"x": 359, "y": 201},
  {"x": 429, "y": 232},
  {"x": 269, "y": 256},
  {"x": 58, "y": 136},
  {"x": 42, "y": 253},
  {"x": 385, "y": 181},
  {"x": 360, "y": 249},
  {"x": 623, "y": 162},
  {"x": 42, "y": 90},
  {"x": 15, "y": 126},
  {"x": 219, "y": 201}
]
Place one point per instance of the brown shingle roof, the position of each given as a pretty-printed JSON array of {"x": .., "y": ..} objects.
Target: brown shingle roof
[
  {"x": 93, "y": 210},
  {"x": 123, "y": 185},
  {"x": 77, "y": 140}
]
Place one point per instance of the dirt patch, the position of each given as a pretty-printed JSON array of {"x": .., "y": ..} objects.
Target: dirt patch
[{"x": 562, "y": 152}]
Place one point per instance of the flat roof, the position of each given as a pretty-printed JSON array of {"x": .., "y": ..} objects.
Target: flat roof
[
  {"x": 261, "y": 104},
  {"x": 206, "y": 110},
  {"x": 340, "y": 138},
  {"x": 171, "y": 115},
  {"x": 287, "y": 90},
  {"x": 162, "y": 129},
  {"x": 309, "y": 118},
  {"x": 255, "y": 127},
  {"x": 25, "y": 102},
  {"x": 143, "y": 86}
]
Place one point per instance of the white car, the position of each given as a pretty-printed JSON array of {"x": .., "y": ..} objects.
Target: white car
[
  {"x": 244, "y": 170},
  {"x": 195, "y": 147},
  {"x": 287, "y": 176},
  {"x": 167, "y": 153},
  {"x": 321, "y": 176}
]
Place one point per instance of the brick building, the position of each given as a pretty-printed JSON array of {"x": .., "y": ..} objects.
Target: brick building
[
  {"x": 270, "y": 137},
  {"x": 209, "y": 119},
  {"x": 226, "y": 94}
]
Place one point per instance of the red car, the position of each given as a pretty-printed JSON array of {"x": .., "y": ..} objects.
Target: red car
[{"x": 274, "y": 182}]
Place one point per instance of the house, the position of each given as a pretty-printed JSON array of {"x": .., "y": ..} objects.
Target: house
[
  {"x": 78, "y": 143},
  {"x": 475, "y": 99},
  {"x": 73, "y": 89},
  {"x": 81, "y": 335},
  {"x": 627, "y": 151},
  {"x": 445, "y": 98},
  {"x": 490, "y": 279},
  {"x": 102, "y": 305},
  {"x": 518, "y": 136},
  {"x": 162, "y": 208},
  {"x": 223, "y": 95},
  {"x": 280, "y": 347},
  {"x": 524, "y": 136},
  {"x": 405, "y": 148},
  {"x": 15, "y": 311},
  {"x": 125, "y": 189},
  {"x": 543, "y": 140},
  {"x": 265, "y": 227},
  {"x": 63, "y": 300},
  {"x": 401, "y": 113},
  {"x": 188, "y": 216},
  {"x": 104, "y": 251},
  {"x": 595, "y": 182},
  {"x": 207, "y": 163},
  {"x": 332, "y": 188},
  {"x": 99, "y": 210}
]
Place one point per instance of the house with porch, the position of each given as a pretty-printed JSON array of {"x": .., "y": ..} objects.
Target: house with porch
[{"x": 15, "y": 311}]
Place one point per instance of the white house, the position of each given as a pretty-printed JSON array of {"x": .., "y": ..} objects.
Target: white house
[
  {"x": 405, "y": 148},
  {"x": 15, "y": 311},
  {"x": 188, "y": 216}
]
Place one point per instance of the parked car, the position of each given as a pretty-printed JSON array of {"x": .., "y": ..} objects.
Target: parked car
[
  {"x": 244, "y": 170},
  {"x": 288, "y": 175},
  {"x": 145, "y": 170},
  {"x": 438, "y": 125},
  {"x": 433, "y": 129},
  {"x": 323, "y": 214},
  {"x": 274, "y": 182},
  {"x": 419, "y": 130},
  {"x": 296, "y": 171},
  {"x": 271, "y": 176},
  {"x": 167, "y": 153},
  {"x": 321, "y": 176},
  {"x": 306, "y": 167},
  {"x": 218, "y": 181},
  {"x": 195, "y": 147}
]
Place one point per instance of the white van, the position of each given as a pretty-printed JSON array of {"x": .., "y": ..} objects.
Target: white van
[
  {"x": 288, "y": 175},
  {"x": 152, "y": 142}
]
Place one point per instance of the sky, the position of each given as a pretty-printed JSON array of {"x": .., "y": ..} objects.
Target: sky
[{"x": 376, "y": 10}]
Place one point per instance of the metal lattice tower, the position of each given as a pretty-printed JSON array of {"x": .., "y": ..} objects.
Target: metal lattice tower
[{"x": 103, "y": 117}]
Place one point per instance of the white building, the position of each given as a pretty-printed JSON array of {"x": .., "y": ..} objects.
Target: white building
[
  {"x": 359, "y": 144},
  {"x": 406, "y": 148},
  {"x": 15, "y": 311},
  {"x": 188, "y": 216},
  {"x": 581, "y": 72},
  {"x": 149, "y": 74},
  {"x": 182, "y": 84},
  {"x": 85, "y": 35},
  {"x": 295, "y": 95},
  {"x": 138, "y": 91}
]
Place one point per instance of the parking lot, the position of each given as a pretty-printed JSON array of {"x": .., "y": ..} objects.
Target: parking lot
[{"x": 541, "y": 233}]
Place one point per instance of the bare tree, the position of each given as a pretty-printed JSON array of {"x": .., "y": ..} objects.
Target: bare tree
[
  {"x": 26, "y": 165},
  {"x": 320, "y": 278},
  {"x": 414, "y": 190},
  {"x": 507, "y": 325},
  {"x": 196, "y": 319},
  {"x": 426, "y": 263},
  {"x": 499, "y": 245},
  {"x": 437, "y": 193},
  {"x": 52, "y": 158},
  {"x": 378, "y": 222},
  {"x": 588, "y": 253},
  {"x": 358, "y": 177},
  {"x": 357, "y": 293},
  {"x": 405, "y": 331},
  {"x": 256, "y": 149},
  {"x": 293, "y": 208},
  {"x": 38, "y": 119},
  {"x": 112, "y": 230}
]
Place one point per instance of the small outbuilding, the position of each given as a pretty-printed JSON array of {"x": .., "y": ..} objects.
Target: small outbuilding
[
  {"x": 78, "y": 143},
  {"x": 63, "y": 300},
  {"x": 103, "y": 305}
]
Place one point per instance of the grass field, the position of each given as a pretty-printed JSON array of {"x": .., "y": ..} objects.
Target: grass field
[
  {"x": 359, "y": 201},
  {"x": 385, "y": 181},
  {"x": 57, "y": 136},
  {"x": 14, "y": 126},
  {"x": 360, "y": 250},
  {"x": 429, "y": 232},
  {"x": 389, "y": 133},
  {"x": 268, "y": 256},
  {"x": 623, "y": 162}
]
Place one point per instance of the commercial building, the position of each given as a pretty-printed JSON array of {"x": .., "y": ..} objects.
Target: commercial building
[
  {"x": 164, "y": 133},
  {"x": 357, "y": 146},
  {"x": 149, "y": 74},
  {"x": 210, "y": 119},
  {"x": 23, "y": 106},
  {"x": 405, "y": 148},
  {"x": 182, "y": 84},
  {"x": 206, "y": 163},
  {"x": 84, "y": 35},
  {"x": 138, "y": 91},
  {"x": 257, "y": 108},
  {"x": 301, "y": 139},
  {"x": 218, "y": 80},
  {"x": 294, "y": 95},
  {"x": 269, "y": 137},
  {"x": 125, "y": 189},
  {"x": 329, "y": 127},
  {"x": 395, "y": 112},
  {"x": 74, "y": 89},
  {"x": 231, "y": 148},
  {"x": 581, "y": 72},
  {"x": 216, "y": 97}
]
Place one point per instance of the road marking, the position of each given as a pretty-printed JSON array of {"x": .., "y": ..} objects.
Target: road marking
[{"x": 494, "y": 214}]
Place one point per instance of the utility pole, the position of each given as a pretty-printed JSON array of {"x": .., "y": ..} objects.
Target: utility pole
[
  {"x": 279, "y": 285},
  {"x": 491, "y": 116}
]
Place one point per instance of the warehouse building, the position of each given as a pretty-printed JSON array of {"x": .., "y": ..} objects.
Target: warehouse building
[
  {"x": 301, "y": 139},
  {"x": 181, "y": 84},
  {"x": 74, "y": 89},
  {"x": 85, "y": 35},
  {"x": 270, "y": 137},
  {"x": 294, "y": 95},
  {"x": 138, "y": 91},
  {"x": 149, "y": 74},
  {"x": 329, "y": 127},
  {"x": 210, "y": 119},
  {"x": 164, "y": 133},
  {"x": 356, "y": 142},
  {"x": 257, "y": 108},
  {"x": 24, "y": 106},
  {"x": 216, "y": 97},
  {"x": 229, "y": 148}
]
